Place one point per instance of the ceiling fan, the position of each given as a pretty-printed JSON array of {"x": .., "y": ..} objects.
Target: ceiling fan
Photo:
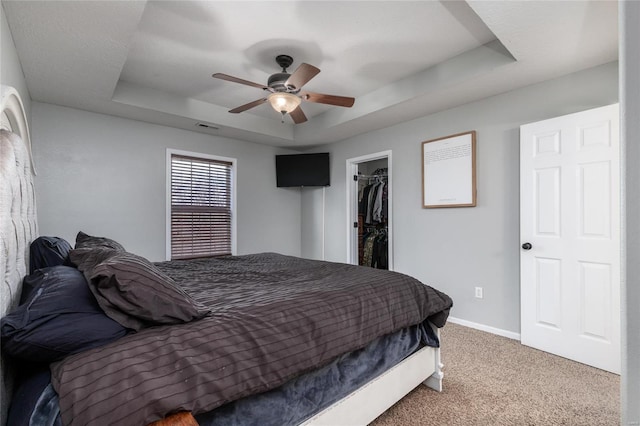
[{"x": 285, "y": 93}]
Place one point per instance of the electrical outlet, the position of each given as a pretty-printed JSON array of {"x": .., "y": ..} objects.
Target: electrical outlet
[{"x": 479, "y": 292}]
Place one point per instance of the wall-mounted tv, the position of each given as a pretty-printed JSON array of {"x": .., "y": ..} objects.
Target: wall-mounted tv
[{"x": 302, "y": 170}]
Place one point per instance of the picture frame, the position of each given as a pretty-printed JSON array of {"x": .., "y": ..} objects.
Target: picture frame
[{"x": 449, "y": 171}]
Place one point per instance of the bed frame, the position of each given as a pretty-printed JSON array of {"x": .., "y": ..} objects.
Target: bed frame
[
  {"x": 18, "y": 228},
  {"x": 363, "y": 405}
]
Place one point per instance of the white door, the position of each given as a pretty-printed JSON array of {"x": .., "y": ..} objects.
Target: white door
[{"x": 570, "y": 236}]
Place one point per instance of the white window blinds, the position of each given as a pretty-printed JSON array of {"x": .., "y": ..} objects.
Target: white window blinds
[{"x": 200, "y": 207}]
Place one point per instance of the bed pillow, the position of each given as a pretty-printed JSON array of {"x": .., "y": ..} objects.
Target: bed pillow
[
  {"x": 87, "y": 241},
  {"x": 85, "y": 259},
  {"x": 60, "y": 317},
  {"x": 134, "y": 292},
  {"x": 48, "y": 251}
]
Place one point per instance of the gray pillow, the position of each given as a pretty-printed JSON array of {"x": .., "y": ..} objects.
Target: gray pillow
[
  {"x": 85, "y": 259},
  {"x": 87, "y": 241},
  {"x": 133, "y": 291}
]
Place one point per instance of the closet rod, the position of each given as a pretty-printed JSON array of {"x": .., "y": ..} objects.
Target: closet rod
[{"x": 371, "y": 176}]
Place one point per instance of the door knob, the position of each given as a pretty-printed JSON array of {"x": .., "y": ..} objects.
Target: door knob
[{"x": 527, "y": 246}]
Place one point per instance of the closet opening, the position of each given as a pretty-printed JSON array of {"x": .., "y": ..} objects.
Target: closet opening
[{"x": 370, "y": 214}]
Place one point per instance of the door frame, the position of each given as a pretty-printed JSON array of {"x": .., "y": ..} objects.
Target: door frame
[{"x": 352, "y": 206}]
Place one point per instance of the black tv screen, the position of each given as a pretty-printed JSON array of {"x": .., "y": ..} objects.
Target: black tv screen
[{"x": 302, "y": 170}]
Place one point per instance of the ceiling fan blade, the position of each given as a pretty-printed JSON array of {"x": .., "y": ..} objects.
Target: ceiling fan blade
[
  {"x": 298, "y": 116},
  {"x": 321, "y": 98},
  {"x": 239, "y": 80},
  {"x": 301, "y": 76},
  {"x": 248, "y": 106}
]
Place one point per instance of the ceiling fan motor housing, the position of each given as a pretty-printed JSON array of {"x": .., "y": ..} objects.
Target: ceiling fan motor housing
[{"x": 277, "y": 82}]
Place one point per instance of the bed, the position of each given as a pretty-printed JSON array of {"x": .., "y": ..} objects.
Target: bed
[{"x": 196, "y": 351}]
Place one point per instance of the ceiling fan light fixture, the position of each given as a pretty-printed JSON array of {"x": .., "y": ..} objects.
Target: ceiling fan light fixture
[{"x": 284, "y": 102}]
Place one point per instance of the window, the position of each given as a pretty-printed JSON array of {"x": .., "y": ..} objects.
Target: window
[{"x": 201, "y": 206}]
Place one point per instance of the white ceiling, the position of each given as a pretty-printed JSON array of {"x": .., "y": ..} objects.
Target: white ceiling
[{"x": 153, "y": 60}]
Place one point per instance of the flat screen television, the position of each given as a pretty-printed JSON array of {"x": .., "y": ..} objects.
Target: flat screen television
[{"x": 302, "y": 170}]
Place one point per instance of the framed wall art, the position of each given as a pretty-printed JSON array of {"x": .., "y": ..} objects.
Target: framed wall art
[{"x": 449, "y": 171}]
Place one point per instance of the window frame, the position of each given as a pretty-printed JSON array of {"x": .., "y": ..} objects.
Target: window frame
[{"x": 197, "y": 155}]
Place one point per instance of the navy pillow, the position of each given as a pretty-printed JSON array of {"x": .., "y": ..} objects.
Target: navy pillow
[
  {"x": 60, "y": 317},
  {"x": 48, "y": 251}
]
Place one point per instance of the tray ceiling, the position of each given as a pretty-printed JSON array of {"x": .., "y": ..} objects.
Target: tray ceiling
[{"x": 153, "y": 60}]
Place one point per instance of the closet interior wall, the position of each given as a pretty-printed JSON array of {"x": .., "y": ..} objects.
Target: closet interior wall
[{"x": 373, "y": 245}]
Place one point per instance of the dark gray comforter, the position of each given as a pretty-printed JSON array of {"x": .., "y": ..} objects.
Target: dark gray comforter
[{"x": 273, "y": 318}]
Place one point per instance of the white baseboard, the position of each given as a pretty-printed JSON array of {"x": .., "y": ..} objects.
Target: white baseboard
[{"x": 488, "y": 329}]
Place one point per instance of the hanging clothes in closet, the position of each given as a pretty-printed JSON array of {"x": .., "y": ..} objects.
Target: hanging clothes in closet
[
  {"x": 373, "y": 213},
  {"x": 375, "y": 244},
  {"x": 373, "y": 198}
]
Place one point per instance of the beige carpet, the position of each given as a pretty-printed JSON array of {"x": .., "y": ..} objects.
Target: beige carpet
[{"x": 492, "y": 380}]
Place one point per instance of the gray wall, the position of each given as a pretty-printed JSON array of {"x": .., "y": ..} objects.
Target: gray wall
[
  {"x": 107, "y": 176},
  {"x": 10, "y": 69},
  {"x": 630, "y": 129},
  {"x": 456, "y": 249},
  {"x": 312, "y": 224}
]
